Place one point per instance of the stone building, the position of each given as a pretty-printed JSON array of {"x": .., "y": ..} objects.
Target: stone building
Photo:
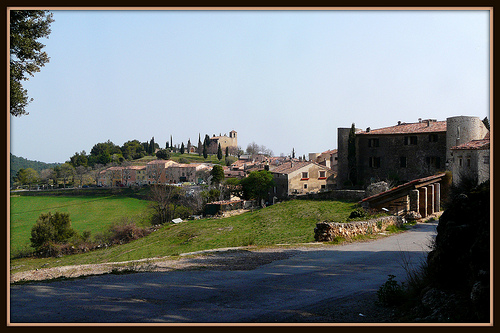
[
  {"x": 225, "y": 141},
  {"x": 297, "y": 178},
  {"x": 405, "y": 151},
  {"x": 471, "y": 159}
]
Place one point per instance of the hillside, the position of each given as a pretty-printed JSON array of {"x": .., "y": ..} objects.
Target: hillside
[{"x": 17, "y": 163}]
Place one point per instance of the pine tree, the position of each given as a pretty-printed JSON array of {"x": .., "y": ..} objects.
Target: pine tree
[
  {"x": 227, "y": 151},
  {"x": 182, "y": 148}
]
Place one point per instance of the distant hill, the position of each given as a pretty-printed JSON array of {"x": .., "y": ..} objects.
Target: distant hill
[{"x": 17, "y": 163}]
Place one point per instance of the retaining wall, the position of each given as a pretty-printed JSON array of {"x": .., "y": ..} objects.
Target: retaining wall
[{"x": 327, "y": 231}]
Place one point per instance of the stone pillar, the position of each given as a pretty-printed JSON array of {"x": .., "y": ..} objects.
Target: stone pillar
[
  {"x": 430, "y": 199},
  {"x": 414, "y": 201},
  {"x": 437, "y": 197},
  {"x": 422, "y": 198}
]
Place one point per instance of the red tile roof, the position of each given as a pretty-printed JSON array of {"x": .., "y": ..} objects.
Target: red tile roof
[
  {"x": 411, "y": 128},
  {"x": 289, "y": 167},
  {"x": 474, "y": 145}
]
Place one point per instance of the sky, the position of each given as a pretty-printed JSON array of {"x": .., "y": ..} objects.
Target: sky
[{"x": 283, "y": 79}]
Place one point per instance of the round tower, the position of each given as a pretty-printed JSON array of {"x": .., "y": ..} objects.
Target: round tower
[{"x": 462, "y": 129}]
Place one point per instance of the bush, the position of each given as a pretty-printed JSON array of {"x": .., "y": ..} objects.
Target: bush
[
  {"x": 357, "y": 213},
  {"x": 51, "y": 229},
  {"x": 391, "y": 292},
  {"x": 124, "y": 232}
]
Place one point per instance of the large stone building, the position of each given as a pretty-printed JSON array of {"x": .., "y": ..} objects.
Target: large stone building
[
  {"x": 225, "y": 141},
  {"x": 405, "y": 151}
]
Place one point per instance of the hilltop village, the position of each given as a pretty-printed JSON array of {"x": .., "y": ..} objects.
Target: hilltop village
[{"x": 401, "y": 153}]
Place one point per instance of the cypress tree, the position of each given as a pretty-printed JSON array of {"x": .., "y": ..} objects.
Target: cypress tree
[
  {"x": 351, "y": 156},
  {"x": 219, "y": 152}
]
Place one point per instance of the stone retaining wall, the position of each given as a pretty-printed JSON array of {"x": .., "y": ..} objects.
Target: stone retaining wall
[
  {"x": 350, "y": 195},
  {"x": 327, "y": 231}
]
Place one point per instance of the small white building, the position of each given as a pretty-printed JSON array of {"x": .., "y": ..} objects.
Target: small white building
[{"x": 471, "y": 158}]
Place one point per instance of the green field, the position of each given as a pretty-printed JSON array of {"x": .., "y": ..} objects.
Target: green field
[
  {"x": 93, "y": 213},
  {"x": 290, "y": 222}
]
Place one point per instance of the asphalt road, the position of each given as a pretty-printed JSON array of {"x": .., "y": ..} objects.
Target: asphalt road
[{"x": 271, "y": 293}]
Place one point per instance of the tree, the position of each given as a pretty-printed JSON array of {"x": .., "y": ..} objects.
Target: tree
[
  {"x": 205, "y": 151},
  {"x": 165, "y": 200},
  {"x": 51, "y": 228},
  {"x": 351, "y": 156},
  {"x": 132, "y": 150},
  {"x": 257, "y": 185},
  {"x": 219, "y": 152},
  {"x": 79, "y": 159},
  {"x": 46, "y": 175},
  {"x": 26, "y": 56},
  {"x": 293, "y": 152},
  {"x": 188, "y": 146},
  {"x": 182, "y": 148},
  {"x": 486, "y": 123},
  {"x": 163, "y": 154},
  {"x": 66, "y": 171},
  {"x": 227, "y": 151},
  {"x": 80, "y": 172},
  {"x": 152, "y": 146},
  {"x": 200, "y": 145},
  {"x": 217, "y": 174},
  {"x": 27, "y": 176}
]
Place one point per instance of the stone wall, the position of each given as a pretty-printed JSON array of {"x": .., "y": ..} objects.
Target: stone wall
[
  {"x": 327, "y": 231},
  {"x": 349, "y": 195}
]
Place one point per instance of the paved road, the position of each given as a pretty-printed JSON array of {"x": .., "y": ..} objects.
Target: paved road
[{"x": 270, "y": 293}]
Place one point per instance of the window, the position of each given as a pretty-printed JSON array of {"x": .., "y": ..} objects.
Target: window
[
  {"x": 374, "y": 162},
  {"x": 322, "y": 175},
  {"x": 468, "y": 162},
  {"x": 373, "y": 142},
  {"x": 433, "y": 161},
  {"x": 305, "y": 186},
  {"x": 402, "y": 162},
  {"x": 460, "y": 162},
  {"x": 433, "y": 137},
  {"x": 410, "y": 140},
  {"x": 305, "y": 175},
  {"x": 323, "y": 187}
]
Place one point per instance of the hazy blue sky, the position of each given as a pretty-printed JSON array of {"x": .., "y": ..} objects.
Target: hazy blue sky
[{"x": 283, "y": 79}]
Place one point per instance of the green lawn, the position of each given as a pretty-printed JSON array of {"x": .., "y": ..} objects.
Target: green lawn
[
  {"x": 289, "y": 222},
  {"x": 93, "y": 213}
]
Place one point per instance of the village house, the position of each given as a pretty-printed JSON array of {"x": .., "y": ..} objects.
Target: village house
[
  {"x": 112, "y": 176},
  {"x": 180, "y": 173},
  {"x": 471, "y": 159},
  {"x": 406, "y": 151},
  {"x": 298, "y": 178},
  {"x": 328, "y": 158},
  {"x": 155, "y": 171},
  {"x": 134, "y": 175}
]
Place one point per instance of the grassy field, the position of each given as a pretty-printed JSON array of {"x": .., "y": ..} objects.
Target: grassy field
[
  {"x": 289, "y": 222},
  {"x": 93, "y": 213}
]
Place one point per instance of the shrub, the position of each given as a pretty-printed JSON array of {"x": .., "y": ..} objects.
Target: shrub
[
  {"x": 124, "y": 232},
  {"x": 51, "y": 229},
  {"x": 357, "y": 213},
  {"x": 391, "y": 292}
]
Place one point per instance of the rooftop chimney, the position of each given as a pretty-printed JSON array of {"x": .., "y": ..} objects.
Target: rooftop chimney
[{"x": 399, "y": 122}]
